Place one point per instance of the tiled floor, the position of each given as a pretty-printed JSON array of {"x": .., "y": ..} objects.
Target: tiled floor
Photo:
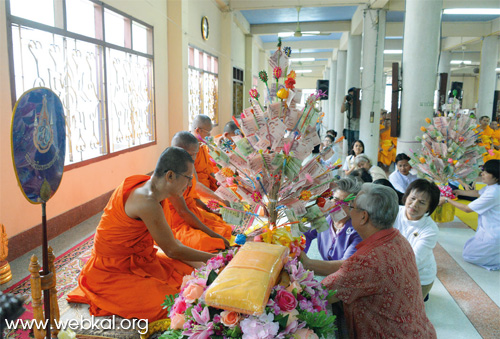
[{"x": 464, "y": 301}]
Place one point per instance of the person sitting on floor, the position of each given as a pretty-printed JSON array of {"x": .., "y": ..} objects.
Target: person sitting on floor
[
  {"x": 416, "y": 225},
  {"x": 126, "y": 275},
  {"x": 193, "y": 223},
  {"x": 378, "y": 284},
  {"x": 483, "y": 249},
  {"x": 340, "y": 240},
  {"x": 402, "y": 177},
  {"x": 230, "y": 130},
  {"x": 387, "y": 183},
  {"x": 357, "y": 148},
  {"x": 362, "y": 161},
  {"x": 362, "y": 174}
]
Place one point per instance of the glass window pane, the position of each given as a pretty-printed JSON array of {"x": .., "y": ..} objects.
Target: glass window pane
[
  {"x": 114, "y": 25},
  {"x": 191, "y": 56},
  {"x": 139, "y": 37},
  {"x": 41, "y": 11},
  {"x": 80, "y": 16}
]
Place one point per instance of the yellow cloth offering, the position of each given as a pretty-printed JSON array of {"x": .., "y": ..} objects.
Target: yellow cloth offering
[{"x": 245, "y": 284}]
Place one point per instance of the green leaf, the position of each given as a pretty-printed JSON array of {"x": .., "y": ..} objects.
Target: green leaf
[
  {"x": 171, "y": 334},
  {"x": 211, "y": 277},
  {"x": 319, "y": 322},
  {"x": 169, "y": 301},
  {"x": 282, "y": 320}
]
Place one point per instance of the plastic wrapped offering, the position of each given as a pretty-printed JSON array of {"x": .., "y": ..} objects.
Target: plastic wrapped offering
[{"x": 245, "y": 284}]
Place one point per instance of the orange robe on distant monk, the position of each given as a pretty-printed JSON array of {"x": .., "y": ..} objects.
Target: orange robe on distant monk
[
  {"x": 386, "y": 141},
  {"x": 126, "y": 275},
  {"x": 193, "y": 237},
  {"x": 204, "y": 170}
]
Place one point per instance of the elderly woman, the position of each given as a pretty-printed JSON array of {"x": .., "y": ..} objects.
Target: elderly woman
[
  {"x": 483, "y": 249},
  {"x": 340, "y": 240},
  {"x": 362, "y": 161},
  {"x": 416, "y": 225},
  {"x": 378, "y": 284}
]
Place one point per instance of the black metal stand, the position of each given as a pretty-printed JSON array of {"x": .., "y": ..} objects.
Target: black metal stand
[{"x": 45, "y": 270}]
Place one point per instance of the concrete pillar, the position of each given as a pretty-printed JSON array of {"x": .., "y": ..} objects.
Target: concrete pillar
[
  {"x": 325, "y": 104},
  {"x": 178, "y": 67},
  {"x": 226, "y": 77},
  {"x": 339, "y": 95},
  {"x": 488, "y": 76},
  {"x": 371, "y": 80},
  {"x": 249, "y": 71},
  {"x": 445, "y": 67},
  {"x": 419, "y": 69},
  {"x": 382, "y": 91},
  {"x": 330, "y": 119},
  {"x": 353, "y": 78}
]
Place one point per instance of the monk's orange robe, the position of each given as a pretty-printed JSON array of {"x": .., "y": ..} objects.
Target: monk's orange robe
[
  {"x": 193, "y": 237},
  {"x": 126, "y": 275},
  {"x": 204, "y": 170},
  {"x": 485, "y": 138},
  {"x": 386, "y": 141}
]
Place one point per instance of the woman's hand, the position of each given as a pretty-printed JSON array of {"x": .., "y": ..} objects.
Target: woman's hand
[{"x": 442, "y": 200}]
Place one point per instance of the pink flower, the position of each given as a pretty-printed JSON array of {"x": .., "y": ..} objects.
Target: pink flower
[
  {"x": 192, "y": 292},
  {"x": 305, "y": 333},
  {"x": 254, "y": 93},
  {"x": 203, "y": 318},
  {"x": 179, "y": 307},
  {"x": 292, "y": 316},
  {"x": 286, "y": 301},
  {"x": 177, "y": 321},
  {"x": 230, "y": 318}
]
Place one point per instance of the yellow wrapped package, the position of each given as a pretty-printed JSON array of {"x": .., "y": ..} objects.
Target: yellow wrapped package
[{"x": 245, "y": 284}]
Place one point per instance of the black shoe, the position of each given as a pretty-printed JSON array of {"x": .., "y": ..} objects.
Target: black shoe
[{"x": 426, "y": 297}]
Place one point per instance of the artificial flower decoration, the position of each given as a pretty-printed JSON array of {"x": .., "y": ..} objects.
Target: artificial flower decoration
[
  {"x": 277, "y": 72},
  {"x": 423, "y": 129},
  {"x": 254, "y": 93},
  {"x": 288, "y": 51},
  {"x": 227, "y": 172},
  {"x": 305, "y": 195},
  {"x": 263, "y": 76},
  {"x": 427, "y": 120},
  {"x": 256, "y": 197},
  {"x": 292, "y": 74},
  {"x": 282, "y": 94},
  {"x": 290, "y": 83}
]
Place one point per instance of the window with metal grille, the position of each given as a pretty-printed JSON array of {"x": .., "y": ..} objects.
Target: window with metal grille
[
  {"x": 203, "y": 84},
  {"x": 100, "y": 63}
]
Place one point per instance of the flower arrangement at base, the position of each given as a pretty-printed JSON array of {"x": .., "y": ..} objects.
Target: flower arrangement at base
[
  {"x": 296, "y": 307},
  {"x": 449, "y": 152}
]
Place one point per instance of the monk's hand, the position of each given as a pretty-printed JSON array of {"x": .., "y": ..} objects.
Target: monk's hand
[
  {"x": 304, "y": 259},
  {"x": 226, "y": 242}
]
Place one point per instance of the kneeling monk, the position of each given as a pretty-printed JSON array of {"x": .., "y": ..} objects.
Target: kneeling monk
[
  {"x": 193, "y": 223},
  {"x": 126, "y": 275}
]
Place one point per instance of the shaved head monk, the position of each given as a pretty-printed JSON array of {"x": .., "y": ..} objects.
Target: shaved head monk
[
  {"x": 201, "y": 127},
  {"x": 126, "y": 275},
  {"x": 193, "y": 223}
]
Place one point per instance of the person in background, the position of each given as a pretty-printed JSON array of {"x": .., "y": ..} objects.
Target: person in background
[
  {"x": 340, "y": 240},
  {"x": 402, "y": 177},
  {"x": 388, "y": 144},
  {"x": 387, "y": 183},
  {"x": 379, "y": 284},
  {"x": 230, "y": 130},
  {"x": 415, "y": 223},
  {"x": 362, "y": 161},
  {"x": 483, "y": 249},
  {"x": 357, "y": 148},
  {"x": 361, "y": 174}
]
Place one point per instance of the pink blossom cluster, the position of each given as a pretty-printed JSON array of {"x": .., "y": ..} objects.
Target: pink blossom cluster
[{"x": 303, "y": 295}]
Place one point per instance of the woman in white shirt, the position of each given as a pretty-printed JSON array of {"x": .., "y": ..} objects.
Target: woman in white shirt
[
  {"x": 357, "y": 148},
  {"x": 415, "y": 224},
  {"x": 362, "y": 161},
  {"x": 483, "y": 249}
]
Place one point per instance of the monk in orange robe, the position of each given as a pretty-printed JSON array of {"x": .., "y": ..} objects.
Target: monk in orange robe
[
  {"x": 126, "y": 275},
  {"x": 485, "y": 137},
  {"x": 201, "y": 128},
  {"x": 193, "y": 223},
  {"x": 387, "y": 149}
]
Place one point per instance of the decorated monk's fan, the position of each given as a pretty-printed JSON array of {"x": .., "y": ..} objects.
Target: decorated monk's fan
[
  {"x": 262, "y": 172},
  {"x": 38, "y": 139}
]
